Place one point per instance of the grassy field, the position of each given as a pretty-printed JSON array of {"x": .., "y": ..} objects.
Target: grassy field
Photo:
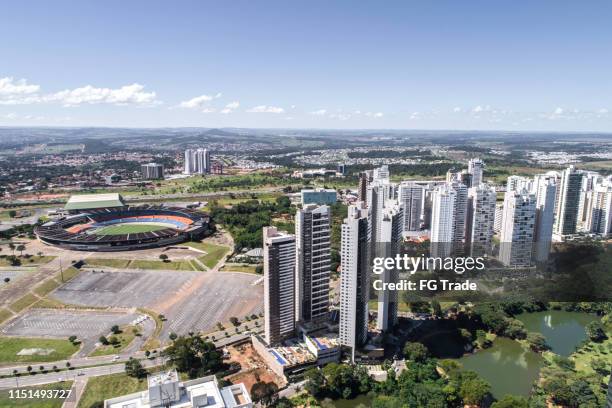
[
  {"x": 109, "y": 263},
  {"x": 214, "y": 252},
  {"x": 10, "y": 346},
  {"x": 124, "y": 229},
  {"x": 5, "y": 401},
  {"x": 46, "y": 287},
  {"x": 233, "y": 267},
  {"x": 23, "y": 302},
  {"x": 4, "y": 314},
  {"x": 181, "y": 265},
  {"x": 33, "y": 260},
  {"x": 126, "y": 336},
  {"x": 108, "y": 386}
]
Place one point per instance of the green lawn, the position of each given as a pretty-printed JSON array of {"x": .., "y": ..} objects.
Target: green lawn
[
  {"x": 214, "y": 252},
  {"x": 127, "y": 228},
  {"x": 10, "y": 346},
  {"x": 173, "y": 265},
  {"x": 109, "y": 263},
  {"x": 5, "y": 401},
  {"x": 23, "y": 302},
  {"x": 46, "y": 287},
  {"x": 232, "y": 267},
  {"x": 4, "y": 314},
  {"x": 108, "y": 386},
  {"x": 33, "y": 260},
  {"x": 125, "y": 338}
]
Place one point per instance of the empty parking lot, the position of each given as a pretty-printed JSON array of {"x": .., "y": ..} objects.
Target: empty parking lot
[{"x": 191, "y": 301}]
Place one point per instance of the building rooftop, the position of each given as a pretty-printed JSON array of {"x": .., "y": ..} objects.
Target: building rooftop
[
  {"x": 94, "y": 201},
  {"x": 200, "y": 392}
]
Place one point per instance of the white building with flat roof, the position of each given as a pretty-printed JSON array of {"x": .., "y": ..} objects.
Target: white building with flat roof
[{"x": 166, "y": 390}]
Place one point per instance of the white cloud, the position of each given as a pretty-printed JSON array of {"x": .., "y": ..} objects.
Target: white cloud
[
  {"x": 208, "y": 110},
  {"x": 11, "y": 116},
  {"x": 319, "y": 112},
  {"x": 225, "y": 111},
  {"x": 340, "y": 116},
  {"x": 17, "y": 92},
  {"x": 133, "y": 94},
  {"x": 266, "y": 109},
  {"x": 198, "y": 102},
  {"x": 457, "y": 109},
  {"x": 558, "y": 111},
  {"x": 233, "y": 105},
  {"x": 602, "y": 111},
  {"x": 375, "y": 114}
]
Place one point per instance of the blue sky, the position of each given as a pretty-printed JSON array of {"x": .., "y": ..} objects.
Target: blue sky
[{"x": 517, "y": 65}]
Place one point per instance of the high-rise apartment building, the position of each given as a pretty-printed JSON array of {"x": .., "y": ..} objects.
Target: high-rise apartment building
[
  {"x": 197, "y": 161},
  {"x": 313, "y": 246},
  {"x": 381, "y": 173},
  {"x": 568, "y": 202},
  {"x": 480, "y": 219},
  {"x": 388, "y": 247},
  {"x": 448, "y": 219},
  {"x": 354, "y": 279},
  {"x": 518, "y": 226},
  {"x": 411, "y": 196},
  {"x": 152, "y": 171},
  {"x": 545, "y": 189},
  {"x": 476, "y": 169},
  {"x": 365, "y": 178},
  {"x": 600, "y": 215},
  {"x": 279, "y": 285}
]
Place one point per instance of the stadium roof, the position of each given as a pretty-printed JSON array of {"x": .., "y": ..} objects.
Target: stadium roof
[{"x": 94, "y": 201}]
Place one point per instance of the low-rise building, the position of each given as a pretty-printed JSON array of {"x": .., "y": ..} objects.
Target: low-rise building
[
  {"x": 319, "y": 196},
  {"x": 166, "y": 390}
]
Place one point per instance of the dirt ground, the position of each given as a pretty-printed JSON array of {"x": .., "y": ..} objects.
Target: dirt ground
[{"x": 253, "y": 367}]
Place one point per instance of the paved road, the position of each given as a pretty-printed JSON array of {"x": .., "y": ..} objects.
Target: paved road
[{"x": 69, "y": 375}]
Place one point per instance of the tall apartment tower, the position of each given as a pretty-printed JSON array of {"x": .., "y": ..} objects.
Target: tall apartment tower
[
  {"x": 152, "y": 171},
  {"x": 480, "y": 219},
  {"x": 517, "y": 232},
  {"x": 389, "y": 247},
  {"x": 354, "y": 278},
  {"x": 568, "y": 202},
  {"x": 279, "y": 285},
  {"x": 476, "y": 169},
  {"x": 197, "y": 161},
  {"x": 442, "y": 221},
  {"x": 365, "y": 178},
  {"x": 379, "y": 192},
  {"x": 589, "y": 180},
  {"x": 381, "y": 173},
  {"x": 313, "y": 251},
  {"x": 411, "y": 196},
  {"x": 545, "y": 191},
  {"x": 600, "y": 215}
]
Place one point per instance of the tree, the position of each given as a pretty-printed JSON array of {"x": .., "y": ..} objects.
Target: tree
[
  {"x": 474, "y": 391},
  {"x": 7, "y": 279},
  {"x": 103, "y": 340},
  {"x": 416, "y": 352},
  {"x": 436, "y": 308},
  {"x": 115, "y": 329},
  {"x": 147, "y": 353},
  {"x": 595, "y": 331},
  {"x": 315, "y": 382},
  {"x": 134, "y": 368},
  {"x": 163, "y": 257},
  {"x": 113, "y": 340},
  {"x": 264, "y": 393},
  {"x": 194, "y": 356},
  {"x": 511, "y": 401},
  {"x": 12, "y": 213},
  {"x": 601, "y": 366},
  {"x": 172, "y": 336},
  {"x": 515, "y": 329},
  {"x": 21, "y": 248},
  {"x": 72, "y": 339},
  {"x": 537, "y": 342},
  {"x": 234, "y": 320}
]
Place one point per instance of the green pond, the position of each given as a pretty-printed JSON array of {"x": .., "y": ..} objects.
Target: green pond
[
  {"x": 563, "y": 330},
  {"x": 510, "y": 368},
  {"x": 360, "y": 400}
]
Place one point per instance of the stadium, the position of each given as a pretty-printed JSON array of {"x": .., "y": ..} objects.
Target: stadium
[{"x": 103, "y": 222}]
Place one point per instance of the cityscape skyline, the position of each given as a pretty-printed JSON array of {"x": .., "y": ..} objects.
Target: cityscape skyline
[{"x": 339, "y": 65}]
